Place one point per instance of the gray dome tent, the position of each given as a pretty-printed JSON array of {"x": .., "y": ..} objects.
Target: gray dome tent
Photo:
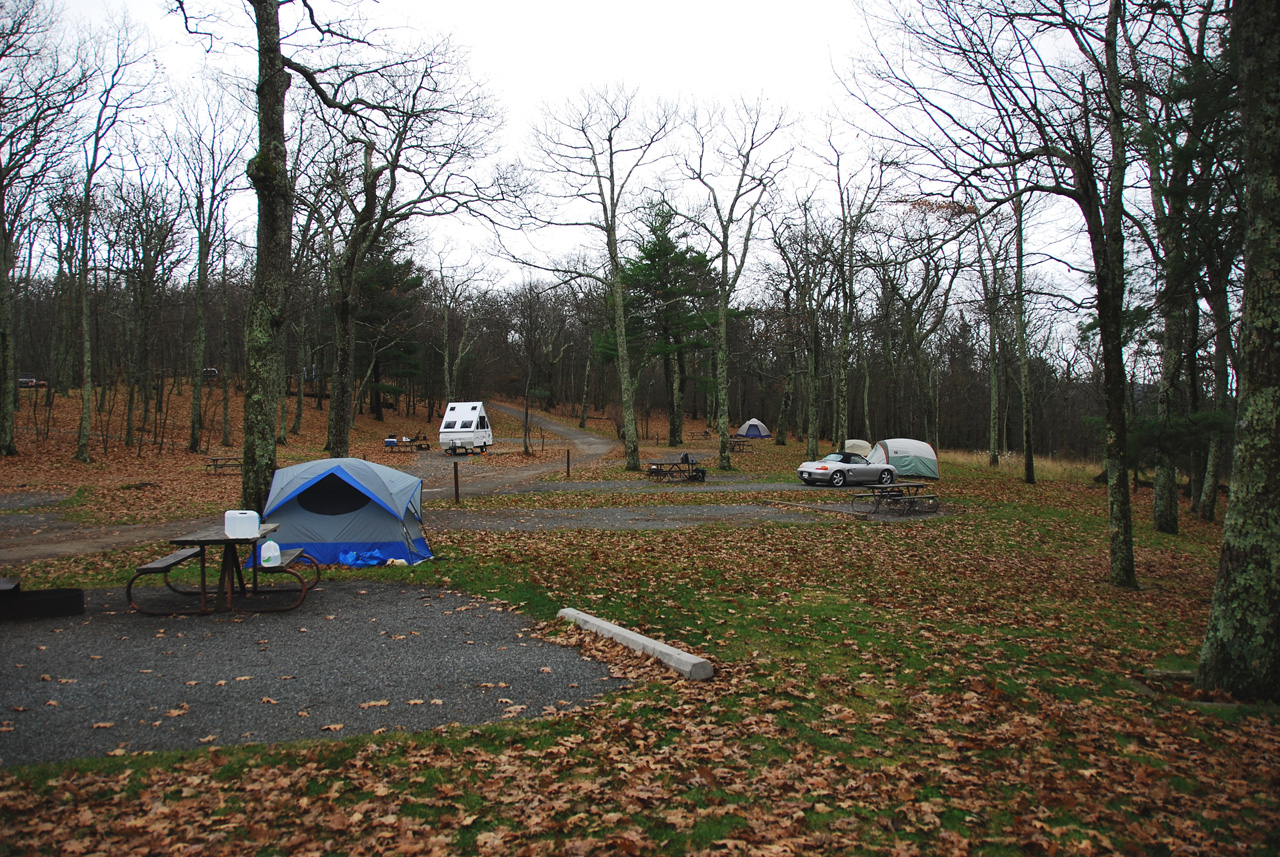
[
  {"x": 347, "y": 511},
  {"x": 753, "y": 428}
]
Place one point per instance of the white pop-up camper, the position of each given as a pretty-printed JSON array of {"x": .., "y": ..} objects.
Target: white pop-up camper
[{"x": 465, "y": 429}]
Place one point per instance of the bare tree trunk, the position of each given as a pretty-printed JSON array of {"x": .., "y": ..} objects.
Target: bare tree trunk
[
  {"x": 223, "y": 374},
  {"x": 341, "y": 404},
  {"x": 269, "y": 172},
  {"x": 866, "y": 404},
  {"x": 1024, "y": 360},
  {"x": 1221, "y": 402},
  {"x": 1241, "y": 652},
  {"x": 811, "y": 405},
  {"x": 993, "y": 385},
  {"x": 1106, "y": 220},
  {"x": 626, "y": 382},
  {"x": 8, "y": 372},
  {"x": 198, "y": 343},
  {"x": 840, "y": 410},
  {"x": 86, "y": 327},
  {"x": 1173, "y": 305},
  {"x": 586, "y": 387},
  {"x": 784, "y": 408},
  {"x": 300, "y": 398},
  {"x": 281, "y": 437}
]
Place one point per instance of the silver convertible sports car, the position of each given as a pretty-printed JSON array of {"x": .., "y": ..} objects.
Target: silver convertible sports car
[{"x": 839, "y": 468}]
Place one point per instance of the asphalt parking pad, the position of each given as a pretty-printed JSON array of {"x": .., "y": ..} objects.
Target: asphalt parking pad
[{"x": 355, "y": 658}]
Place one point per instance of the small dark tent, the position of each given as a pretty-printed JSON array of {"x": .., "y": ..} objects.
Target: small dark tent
[
  {"x": 347, "y": 511},
  {"x": 753, "y": 428}
]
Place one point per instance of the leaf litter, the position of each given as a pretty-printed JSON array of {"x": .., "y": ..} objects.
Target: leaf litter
[{"x": 962, "y": 687}]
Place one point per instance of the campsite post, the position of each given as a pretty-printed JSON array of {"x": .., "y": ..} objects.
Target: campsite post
[
  {"x": 566, "y": 464},
  {"x": 456, "y": 496}
]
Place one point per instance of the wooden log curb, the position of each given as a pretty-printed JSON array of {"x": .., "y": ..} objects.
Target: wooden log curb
[{"x": 690, "y": 666}]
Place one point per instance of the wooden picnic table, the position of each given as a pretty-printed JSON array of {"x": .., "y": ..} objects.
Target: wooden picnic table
[
  {"x": 682, "y": 469},
  {"x": 739, "y": 444},
  {"x": 214, "y": 463},
  {"x": 198, "y": 546},
  {"x": 899, "y": 497}
]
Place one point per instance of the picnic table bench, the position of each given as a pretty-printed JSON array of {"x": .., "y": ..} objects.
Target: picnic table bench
[
  {"x": 194, "y": 549},
  {"x": 901, "y": 498},
  {"x": 682, "y": 469},
  {"x": 214, "y": 463}
]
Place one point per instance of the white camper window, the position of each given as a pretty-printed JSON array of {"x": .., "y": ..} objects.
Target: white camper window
[
  {"x": 466, "y": 424},
  {"x": 448, "y": 424},
  {"x": 484, "y": 423}
]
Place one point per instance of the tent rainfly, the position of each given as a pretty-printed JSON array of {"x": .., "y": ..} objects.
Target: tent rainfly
[
  {"x": 753, "y": 428},
  {"x": 861, "y": 447},
  {"x": 910, "y": 457},
  {"x": 347, "y": 511}
]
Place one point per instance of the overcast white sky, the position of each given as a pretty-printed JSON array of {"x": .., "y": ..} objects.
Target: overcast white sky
[
  {"x": 694, "y": 49},
  {"x": 531, "y": 53}
]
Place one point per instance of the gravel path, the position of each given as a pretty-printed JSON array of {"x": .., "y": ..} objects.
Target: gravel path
[
  {"x": 366, "y": 655},
  {"x": 627, "y": 517}
]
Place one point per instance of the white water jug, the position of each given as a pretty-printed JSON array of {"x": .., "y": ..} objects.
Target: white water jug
[
  {"x": 240, "y": 524},
  {"x": 270, "y": 554}
]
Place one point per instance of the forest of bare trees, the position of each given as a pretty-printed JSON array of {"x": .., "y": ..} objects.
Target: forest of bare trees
[{"x": 887, "y": 276}]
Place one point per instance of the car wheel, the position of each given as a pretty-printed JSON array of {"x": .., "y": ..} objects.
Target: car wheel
[
  {"x": 837, "y": 479},
  {"x": 886, "y": 476}
]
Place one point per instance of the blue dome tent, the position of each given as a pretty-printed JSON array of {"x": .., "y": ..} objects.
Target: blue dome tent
[{"x": 347, "y": 511}]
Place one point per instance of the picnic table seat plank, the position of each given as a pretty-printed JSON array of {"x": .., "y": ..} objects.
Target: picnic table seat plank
[
  {"x": 288, "y": 558},
  {"x": 163, "y": 566}
]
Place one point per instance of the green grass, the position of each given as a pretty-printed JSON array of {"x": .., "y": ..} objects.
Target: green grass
[{"x": 878, "y": 686}]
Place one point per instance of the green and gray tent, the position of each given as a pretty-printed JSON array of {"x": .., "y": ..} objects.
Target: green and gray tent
[{"x": 913, "y": 458}]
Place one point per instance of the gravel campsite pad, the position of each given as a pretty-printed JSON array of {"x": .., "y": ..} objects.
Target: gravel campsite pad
[{"x": 355, "y": 658}]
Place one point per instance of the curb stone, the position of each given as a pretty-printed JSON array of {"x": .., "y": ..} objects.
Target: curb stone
[{"x": 690, "y": 666}]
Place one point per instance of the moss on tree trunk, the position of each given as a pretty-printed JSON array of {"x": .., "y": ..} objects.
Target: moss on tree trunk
[{"x": 1241, "y": 651}]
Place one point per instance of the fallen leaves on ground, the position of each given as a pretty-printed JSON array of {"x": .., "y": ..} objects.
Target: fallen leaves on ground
[{"x": 961, "y": 687}]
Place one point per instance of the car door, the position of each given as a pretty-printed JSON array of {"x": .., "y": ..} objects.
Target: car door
[{"x": 861, "y": 470}]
